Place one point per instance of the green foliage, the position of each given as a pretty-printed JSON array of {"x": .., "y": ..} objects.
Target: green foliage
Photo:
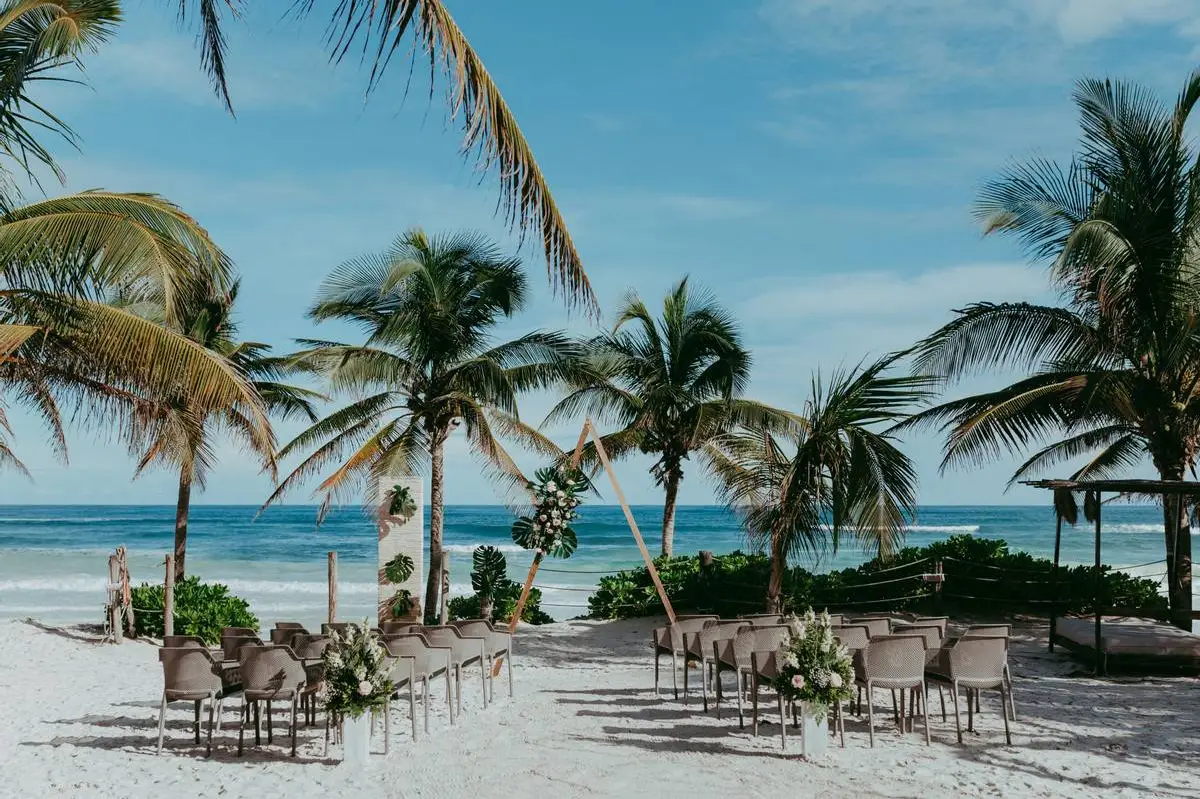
[
  {"x": 401, "y": 503},
  {"x": 202, "y": 609},
  {"x": 356, "y": 672},
  {"x": 505, "y": 604},
  {"x": 556, "y": 504},
  {"x": 982, "y": 576},
  {"x": 399, "y": 568},
  {"x": 814, "y": 667},
  {"x": 490, "y": 567}
]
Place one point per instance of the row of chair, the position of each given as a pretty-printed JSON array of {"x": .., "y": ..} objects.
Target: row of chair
[{"x": 290, "y": 669}]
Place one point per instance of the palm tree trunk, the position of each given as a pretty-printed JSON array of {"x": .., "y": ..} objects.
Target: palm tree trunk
[
  {"x": 182, "y": 506},
  {"x": 1178, "y": 540},
  {"x": 778, "y": 566},
  {"x": 437, "y": 511},
  {"x": 668, "y": 528},
  {"x": 486, "y": 606}
]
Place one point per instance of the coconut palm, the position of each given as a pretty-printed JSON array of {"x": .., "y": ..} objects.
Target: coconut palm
[
  {"x": 1111, "y": 376},
  {"x": 489, "y": 127},
  {"x": 429, "y": 306},
  {"x": 671, "y": 385},
  {"x": 176, "y": 434},
  {"x": 837, "y": 471}
]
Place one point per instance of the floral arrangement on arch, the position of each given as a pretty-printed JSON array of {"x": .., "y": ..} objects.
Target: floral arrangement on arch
[
  {"x": 357, "y": 671},
  {"x": 814, "y": 668},
  {"x": 555, "y": 506}
]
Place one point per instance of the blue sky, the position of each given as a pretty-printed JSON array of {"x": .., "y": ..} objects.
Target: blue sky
[{"x": 810, "y": 161}]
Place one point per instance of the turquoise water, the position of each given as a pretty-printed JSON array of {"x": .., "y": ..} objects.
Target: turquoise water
[{"x": 52, "y": 558}]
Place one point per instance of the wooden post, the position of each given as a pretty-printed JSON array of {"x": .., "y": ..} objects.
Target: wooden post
[
  {"x": 937, "y": 587},
  {"x": 1054, "y": 583},
  {"x": 1099, "y": 578},
  {"x": 169, "y": 598},
  {"x": 332, "y": 587},
  {"x": 445, "y": 570}
]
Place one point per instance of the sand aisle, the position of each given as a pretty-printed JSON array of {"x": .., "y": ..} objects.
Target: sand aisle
[{"x": 79, "y": 720}]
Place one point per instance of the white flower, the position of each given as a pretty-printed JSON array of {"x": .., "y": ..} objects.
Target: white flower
[
  {"x": 360, "y": 673},
  {"x": 365, "y": 688},
  {"x": 542, "y": 518},
  {"x": 570, "y": 483},
  {"x": 550, "y": 486},
  {"x": 562, "y": 494},
  {"x": 798, "y": 681},
  {"x": 835, "y": 680}
]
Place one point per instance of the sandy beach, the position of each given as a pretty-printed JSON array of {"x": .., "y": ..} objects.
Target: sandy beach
[{"x": 80, "y": 721}]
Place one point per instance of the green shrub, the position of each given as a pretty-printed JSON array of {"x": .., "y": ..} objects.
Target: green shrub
[
  {"x": 467, "y": 607},
  {"x": 202, "y": 609},
  {"x": 982, "y": 576}
]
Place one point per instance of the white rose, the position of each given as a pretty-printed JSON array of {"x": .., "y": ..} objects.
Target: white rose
[
  {"x": 365, "y": 688},
  {"x": 551, "y": 486},
  {"x": 562, "y": 494},
  {"x": 360, "y": 673},
  {"x": 835, "y": 680},
  {"x": 542, "y": 518}
]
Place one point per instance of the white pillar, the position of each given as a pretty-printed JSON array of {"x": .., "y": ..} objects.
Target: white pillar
[{"x": 398, "y": 534}]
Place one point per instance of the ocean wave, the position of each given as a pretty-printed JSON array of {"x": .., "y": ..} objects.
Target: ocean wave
[
  {"x": 467, "y": 549},
  {"x": 294, "y": 587},
  {"x": 77, "y": 519},
  {"x": 1127, "y": 527},
  {"x": 76, "y": 583},
  {"x": 943, "y": 528}
]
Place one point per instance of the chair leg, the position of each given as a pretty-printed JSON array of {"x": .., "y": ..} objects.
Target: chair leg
[
  {"x": 675, "y": 674},
  {"x": 412, "y": 706},
  {"x": 327, "y": 733},
  {"x": 295, "y": 701},
  {"x": 425, "y": 702},
  {"x": 686, "y": 679},
  {"x": 508, "y": 665},
  {"x": 717, "y": 690},
  {"x": 870, "y": 716},
  {"x": 741, "y": 713},
  {"x": 212, "y": 709},
  {"x": 387, "y": 725},
  {"x": 258, "y": 723},
  {"x": 957, "y": 718},
  {"x": 270, "y": 726},
  {"x": 895, "y": 710},
  {"x": 901, "y": 716},
  {"x": 242, "y": 728},
  {"x": 1012, "y": 705},
  {"x": 1005, "y": 695},
  {"x": 841, "y": 725},
  {"x": 942, "y": 699},
  {"x": 483, "y": 675},
  {"x": 162, "y": 721},
  {"x": 458, "y": 689},
  {"x": 705, "y": 678},
  {"x": 656, "y": 691},
  {"x": 924, "y": 704},
  {"x": 450, "y": 697},
  {"x": 971, "y": 702}
]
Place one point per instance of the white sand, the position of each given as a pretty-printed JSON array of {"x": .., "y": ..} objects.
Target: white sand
[{"x": 79, "y": 719}]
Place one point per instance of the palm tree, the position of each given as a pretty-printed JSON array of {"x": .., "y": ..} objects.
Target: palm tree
[
  {"x": 838, "y": 470},
  {"x": 428, "y": 306},
  {"x": 672, "y": 385},
  {"x": 490, "y": 130},
  {"x": 179, "y": 436},
  {"x": 1112, "y": 374}
]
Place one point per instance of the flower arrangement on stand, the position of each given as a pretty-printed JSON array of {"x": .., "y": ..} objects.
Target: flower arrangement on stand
[
  {"x": 356, "y": 683},
  {"x": 556, "y": 500},
  {"x": 816, "y": 671}
]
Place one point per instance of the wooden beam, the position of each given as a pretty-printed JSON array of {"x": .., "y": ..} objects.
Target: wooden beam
[
  {"x": 1099, "y": 588},
  {"x": 1054, "y": 590},
  {"x": 332, "y": 589}
]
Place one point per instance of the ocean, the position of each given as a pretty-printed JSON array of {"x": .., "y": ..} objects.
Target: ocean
[{"x": 53, "y": 558}]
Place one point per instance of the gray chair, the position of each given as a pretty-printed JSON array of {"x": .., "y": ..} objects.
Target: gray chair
[
  {"x": 989, "y": 631},
  {"x": 395, "y": 627},
  {"x": 498, "y": 646},
  {"x": 464, "y": 651},
  {"x": 269, "y": 673},
  {"x": 699, "y": 646},
  {"x": 427, "y": 662},
  {"x": 762, "y": 619},
  {"x": 402, "y": 672},
  {"x": 976, "y": 664},
  {"x": 191, "y": 674},
  {"x": 876, "y": 625},
  {"x": 669, "y": 641},
  {"x": 895, "y": 662},
  {"x": 734, "y": 655}
]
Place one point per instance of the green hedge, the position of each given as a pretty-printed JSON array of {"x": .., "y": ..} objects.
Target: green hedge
[
  {"x": 467, "y": 607},
  {"x": 982, "y": 576},
  {"x": 202, "y": 609}
]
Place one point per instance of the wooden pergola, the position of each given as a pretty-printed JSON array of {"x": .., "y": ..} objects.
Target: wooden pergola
[{"x": 1094, "y": 491}]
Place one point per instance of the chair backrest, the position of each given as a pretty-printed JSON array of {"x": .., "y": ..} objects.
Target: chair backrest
[
  {"x": 290, "y": 625},
  {"x": 426, "y": 661},
  {"x": 339, "y": 627},
  {"x": 282, "y": 636},
  {"x": 979, "y": 662},
  {"x": 671, "y": 636},
  {"x": 701, "y": 643},
  {"x": 310, "y": 646},
  {"x": 836, "y": 619},
  {"x": 876, "y": 625},
  {"x": 173, "y": 641},
  {"x": 895, "y": 657},
  {"x": 932, "y": 633},
  {"x": 232, "y": 645},
  {"x": 852, "y": 636},
  {"x": 762, "y": 619},
  {"x": 940, "y": 621},
  {"x": 758, "y": 639},
  {"x": 270, "y": 668},
  {"x": 189, "y": 669},
  {"x": 238, "y": 631},
  {"x": 464, "y": 647},
  {"x": 396, "y": 627},
  {"x": 478, "y": 628},
  {"x": 988, "y": 631}
]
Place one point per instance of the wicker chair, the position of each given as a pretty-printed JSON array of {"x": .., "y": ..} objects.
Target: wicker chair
[
  {"x": 977, "y": 663},
  {"x": 396, "y": 627},
  {"x": 269, "y": 673},
  {"x": 669, "y": 641},
  {"x": 403, "y": 674},
  {"x": 940, "y": 621},
  {"x": 699, "y": 646},
  {"x": 498, "y": 646},
  {"x": 238, "y": 631},
  {"x": 762, "y": 619},
  {"x": 876, "y": 625},
  {"x": 231, "y": 645},
  {"x": 895, "y": 662},
  {"x": 191, "y": 674},
  {"x": 989, "y": 631},
  {"x": 464, "y": 652},
  {"x": 310, "y": 647},
  {"x": 428, "y": 662},
  {"x": 734, "y": 655}
]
